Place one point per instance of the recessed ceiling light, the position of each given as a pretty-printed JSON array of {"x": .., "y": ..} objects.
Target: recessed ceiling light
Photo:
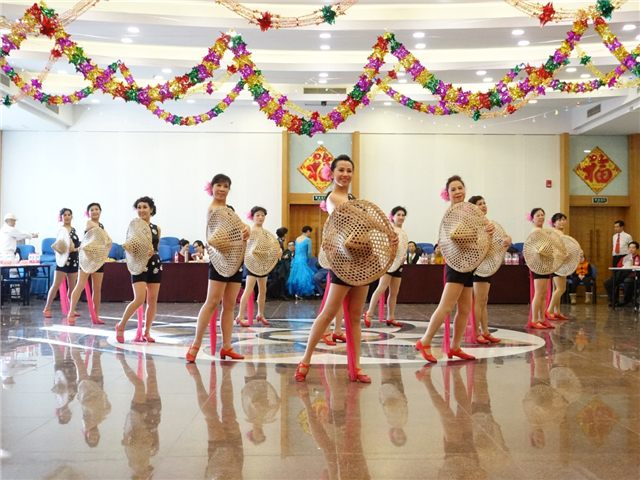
[
  {"x": 585, "y": 75},
  {"x": 571, "y": 69},
  {"x": 325, "y": 35},
  {"x": 126, "y": 40},
  {"x": 133, "y": 30},
  {"x": 158, "y": 77},
  {"x": 418, "y": 35},
  {"x": 62, "y": 72},
  {"x": 325, "y": 47},
  {"x": 481, "y": 72},
  {"x": 401, "y": 74},
  {"x": 323, "y": 75},
  {"x": 4, "y": 31},
  {"x": 387, "y": 104},
  {"x": 402, "y": 81},
  {"x": 420, "y": 46},
  {"x": 191, "y": 101},
  {"x": 517, "y": 32},
  {"x": 320, "y": 142},
  {"x": 629, "y": 27},
  {"x": 95, "y": 100},
  {"x": 322, "y": 80},
  {"x": 254, "y": 103},
  {"x": 533, "y": 101},
  {"x": 638, "y": 37},
  {"x": 523, "y": 43},
  {"x": 166, "y": 70},
  {"x": 488, "y": 79}
]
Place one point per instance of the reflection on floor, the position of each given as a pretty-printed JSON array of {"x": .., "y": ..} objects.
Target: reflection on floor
[{"x": 562, "y": 404}]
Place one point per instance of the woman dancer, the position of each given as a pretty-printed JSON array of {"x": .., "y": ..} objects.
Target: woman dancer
[
  {"x": 558, "y": 221},
  {"x": 540, "y": 282},
  {"x": 457, "y": 290},
  {"x": 70, "y": 268},
  {"x": 393, "y": 279},
  {"x": 93, "y": 211},
  {"x": 300, "y": 283},
  {"x": 342, "y": 173},
  {"x": 148, "y": 282},
  {"x": 481, "y": 286},
  {"x": 220, "y": 288},
  {"x": 258, "y": 215}
]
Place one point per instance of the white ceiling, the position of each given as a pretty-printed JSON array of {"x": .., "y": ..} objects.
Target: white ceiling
[{"x": 461, "y": 38}]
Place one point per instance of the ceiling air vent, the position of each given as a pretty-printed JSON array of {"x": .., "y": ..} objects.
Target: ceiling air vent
[
  {"x": 324, "y": 91},
  {"x": 5, "y": 80},
  {"x": 54, "y": 108},
  {"x": 593, "y": 111}
]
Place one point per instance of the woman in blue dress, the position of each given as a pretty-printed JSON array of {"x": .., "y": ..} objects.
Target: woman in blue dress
[{"x": 300, "y": 283}]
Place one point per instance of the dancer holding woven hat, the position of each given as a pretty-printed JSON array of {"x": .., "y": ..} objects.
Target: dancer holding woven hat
[
  {"x": 481, "y": 286},
  {"x": 146, "y": 284},
  {"x": 68, "y": 268},
  {"x": 342, "y": 169},
  {"x": 392, "y": 279},
  {"x": 559, "y": 222},
  {"x": 457, "y": 290},
  {"x": 93, "y": 212},
  {"x": 263, "y": 252},
  {"x": 540, "y": 282},
  {"x": 223, "y": 288}
]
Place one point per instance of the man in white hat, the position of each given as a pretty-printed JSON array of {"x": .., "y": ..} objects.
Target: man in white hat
[{"x": 9, "y": 234}]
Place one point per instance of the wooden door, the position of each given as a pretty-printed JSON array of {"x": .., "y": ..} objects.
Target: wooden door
[
  {"x": 592, "y": 227},
  {"x": 312, "y": 215}
]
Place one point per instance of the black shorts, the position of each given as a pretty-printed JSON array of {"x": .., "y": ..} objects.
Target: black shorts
[
  {"x": 100, "y": 270},
  {"x": 396, "y": 274},
  {"x": 538, "y": 277},
  {"x": 152, "y": 272},
  {"x": 72, "y": 264},
  {"x": 479, "y": 279},
  {"x": 453, "y": 276},
  {"x": 336, "y": 280},
  {"x": 249, "y": 272},
  {"x": 215, "y": 276}
]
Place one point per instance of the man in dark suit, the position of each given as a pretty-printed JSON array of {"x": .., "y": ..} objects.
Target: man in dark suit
[{"x": 414, "y": 253}]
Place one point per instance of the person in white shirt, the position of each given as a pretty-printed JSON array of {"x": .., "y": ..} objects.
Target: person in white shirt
[
  {"x": 621, "y": 241},
  {"x": 201, "y": 254},
  {"x": 9, "y": 234}
]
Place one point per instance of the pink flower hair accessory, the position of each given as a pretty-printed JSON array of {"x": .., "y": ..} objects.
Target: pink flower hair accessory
[
  {"x": 325, "y": 173},
  {"x": 444, "y": 194},
  {"x": 250, "y": 215},
  {"x": 86, "y": 214},
  {"x": 529, "y": 217},
  {"x": 391, "y": 218},
  {"x": 551, "y": 223},
  {"x": 323, "y": 205},
  {"x": 208, "y": 189},
  {"x": 59, "y": 218}
]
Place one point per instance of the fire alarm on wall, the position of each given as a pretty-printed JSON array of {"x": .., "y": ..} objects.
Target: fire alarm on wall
[{"x": 548, "y": 183}]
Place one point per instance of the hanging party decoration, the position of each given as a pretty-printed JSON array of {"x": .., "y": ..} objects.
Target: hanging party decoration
[
  {"x": 266, "y": 20},
  {"x": 597, "y": 170},
  {"x": 548, "y": 13}
]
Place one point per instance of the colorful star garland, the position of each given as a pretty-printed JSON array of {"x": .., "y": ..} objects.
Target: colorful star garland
[{"x": 547, "y": 13}]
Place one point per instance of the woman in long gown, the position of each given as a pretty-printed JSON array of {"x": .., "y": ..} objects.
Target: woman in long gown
[{"x": 300, "y": 283}]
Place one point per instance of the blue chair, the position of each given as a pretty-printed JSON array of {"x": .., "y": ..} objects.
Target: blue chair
[
  {"x": 191, "y": 249},
  {"x": 25, "y": 250},
  {"x": 165, "y": 252},
  {"x": 171, "y": 241},
  {"x": 427, "y": 248},
  {"x": 116, "y": 252},
  {"x": 519, "y": 247},
  {"x": 312, "y": 263},
  {"x": 48, "y": 255}
]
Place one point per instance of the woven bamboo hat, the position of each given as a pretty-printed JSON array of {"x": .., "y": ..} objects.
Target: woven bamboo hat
[
  {"x": 403, "y": 244},
  {"x": 261, "y": 254},
  {"x": 94, "y": 250},
  {"x": 137, "y": 245},
  {"x": 544, "y": 252},
  {"x": 322, "y": 259},
  {"x": 224, "y": 238},
  {"x": 463, "y": 239},
  {"x": 495, "y": 256},
  {"x": 544, "y": 406},
  {"x": 573, "y": 249},
  {"x": 566, "y": 383},
  {"x": 61, "y": 247},
  {"x": 357, "y": 242}
]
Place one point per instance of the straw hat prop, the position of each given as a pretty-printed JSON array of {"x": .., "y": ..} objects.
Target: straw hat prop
[
  {"x": 463, "y": 239},
  {"x": 495, "y": 256},
  {"x": 573, "y": 249},
  {"x": 357, "y": 242},
  {"x": 61, "y": 247},
  {"x": 224, "y": 238},
  {"x": 403, "y": 244},
  {"x": 544, "y": 252},
  {"x": 94, "y": 250},
  {"x": 261, "y": 254},
  {"x": 137, "y": 246}
]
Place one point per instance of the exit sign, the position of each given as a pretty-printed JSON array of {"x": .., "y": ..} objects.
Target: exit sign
[
  {"x": 319, "y": 198},
  {"x": 599, "y": 200}
]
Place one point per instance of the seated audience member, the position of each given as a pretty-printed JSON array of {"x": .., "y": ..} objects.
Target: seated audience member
[
  {"x": 438, "y": 259},
  {"x": 281, "y": 233},
  {"x": 413, "y": 256},
  {"x": 183, "y": 254},
  {"x": 320, "y": 279},
  {"x": 582, "y": 274},
  {"x": 623, "y": 276},
  {"x": 201, "y": 254},
  {"x": 291, "y": 246}
]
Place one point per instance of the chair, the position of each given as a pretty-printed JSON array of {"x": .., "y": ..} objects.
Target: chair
[
  {"x": 48, "y": 255},
  {"x": 21, "y": 283},
  {"x": 116, "y": 252},
  {"x": 427, "y": 248},
  {"x": 25, "y": 250},
  {"x": 171, "y": 241},
  {"x": 519, "y": 247},
  {"x": 165, "y": 252},
  {"x": 594, "y": 275}
]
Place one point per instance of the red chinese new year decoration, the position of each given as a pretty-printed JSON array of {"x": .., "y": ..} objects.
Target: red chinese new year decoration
[{"x": 597, "y": 170}]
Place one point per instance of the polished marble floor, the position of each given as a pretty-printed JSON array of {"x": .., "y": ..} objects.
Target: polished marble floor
[{"x": 558, "y": 404}]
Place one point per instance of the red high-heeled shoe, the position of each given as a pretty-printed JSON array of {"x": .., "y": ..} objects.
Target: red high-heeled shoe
[
  {"x": 425, "y": 355},
  {"x": 260, "y": 319},
  {"x": 71, "y": 321},
  {"x": 299, "y": 376},
  {"x": 192, "y": 358},
  {"x": 550, "y": 316},
  {"x": 119, "y": 334},
  {"x": 47, "y": 313},
  {"x": 97, "y": 321},
  {"x": 148, "y": 338},
  {"x": 491, "y": 338},
  {"x": 361, "y": 377},
  {"x": 326, "y": 338},
  {"x": 460, "y": 354},
  {"x": 242, "y": 323},
  {"x": 393, "y": 323},
  {"x": 367, "y": 320},
  {"x": 561, "y": 316},
  {"x": 339, "y": 338},
  {"x": 480, "y": 339},
  {"x": 231, "y": 354},
  {"x": 538, "y": 325}
]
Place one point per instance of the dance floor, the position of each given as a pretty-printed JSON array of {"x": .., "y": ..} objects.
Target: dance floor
[{"x": 553, "y": 404}]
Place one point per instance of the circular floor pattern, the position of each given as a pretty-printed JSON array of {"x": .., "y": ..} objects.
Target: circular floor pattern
[{"x": 284, "y": 342}]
